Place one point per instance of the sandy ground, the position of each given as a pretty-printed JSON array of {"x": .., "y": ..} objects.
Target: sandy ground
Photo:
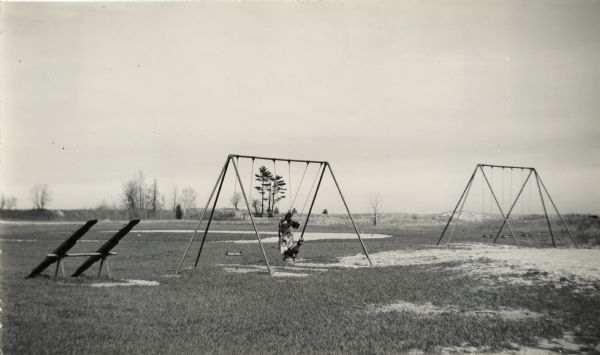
[
  {"x": 125, "y": 283},
  {"x": 428, "y": 309},
  {"x": 507, "y": 262},
  {"x": 40, "y": 223},
  {"x": 283, "y": 271},
  {"x": 316, "y": 236},
  {"x": 307, "y": 236}
]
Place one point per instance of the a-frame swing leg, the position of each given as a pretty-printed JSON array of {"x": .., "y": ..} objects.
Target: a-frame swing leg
[
  {"x": 349, "y": 214},
  {"x": 312, "y": 202},
  {"x": 237, "y": 173},
  {"x": 499, "y": 207},
  {"x": 544, "y": 206},
  {"x": 558, "y": 213},
  {"x": 513, "y": 205},
  {"x": 459, "y": 213},
  {"x": 212, "y": 211},
  {"x": 201, "y": 218},
  {"x": 457, "y": 204}
]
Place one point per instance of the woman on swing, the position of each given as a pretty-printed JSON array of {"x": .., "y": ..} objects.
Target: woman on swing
[{"x": 287, "y": 247}]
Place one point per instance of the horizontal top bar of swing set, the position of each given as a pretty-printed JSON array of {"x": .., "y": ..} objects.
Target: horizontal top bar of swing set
[
  {"x": 507, "y": 166},
  {"x": 278, "y": 159}
]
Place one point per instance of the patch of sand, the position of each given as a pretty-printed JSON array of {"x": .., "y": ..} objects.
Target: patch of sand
[
  {"x": 307, "y": 236},
  {"x": 511, "y": 263},
  {"x": 246, "y": 270},
  {"x": 278, "y": 271},
  {"x": 27, "y": 223},
  {"x": 289, "y": 274},
  {"x": 316, "y": 236},
  {"x": 431, "y": 310},
  {"x": 567, "y": 344},
  {"x": 125, "y": 283}
]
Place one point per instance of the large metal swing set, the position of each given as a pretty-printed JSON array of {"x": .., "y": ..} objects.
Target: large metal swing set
[{"x": 233, "y": 159}]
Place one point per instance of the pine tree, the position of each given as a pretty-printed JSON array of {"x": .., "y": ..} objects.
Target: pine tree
[{"x": 264, "y": 179}]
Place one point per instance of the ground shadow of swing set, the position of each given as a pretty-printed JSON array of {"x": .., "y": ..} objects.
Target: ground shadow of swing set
[
  {"x": 505, "y": 216},
  {"x": 232, "y": 159}
]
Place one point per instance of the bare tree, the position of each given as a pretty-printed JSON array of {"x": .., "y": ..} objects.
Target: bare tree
[
  {"x": 11, "y": 203},
  {"x": 130, "y": 198},
  {"x": 140, "y": 198},
  {"x": 235, "y": 200},
  {"x": 256, "y": 204},
  {"x": 40, "y": 196},
  {"x": 374, "y": 204},
  {"x": 188, "y": 198},
  {"x": 154, "y": 198}
]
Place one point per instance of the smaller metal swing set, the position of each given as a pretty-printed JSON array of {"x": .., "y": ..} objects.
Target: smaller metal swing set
[
  {"x": 233, "y": 159},
  {"x": 503, "y": 204}
]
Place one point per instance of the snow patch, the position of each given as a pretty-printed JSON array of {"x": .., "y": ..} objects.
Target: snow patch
[
  {"x": 430, "y": 309},
  {"x": 505, "y": 262},
  {"x": 125, "y": 283},
  {"x": 316, "y": 236}
]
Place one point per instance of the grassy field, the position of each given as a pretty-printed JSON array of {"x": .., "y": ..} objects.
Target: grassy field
[{"x": 332, "y": 310}]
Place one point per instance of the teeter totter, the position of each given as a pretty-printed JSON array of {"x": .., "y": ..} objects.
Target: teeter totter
[{"x": 100, "y": 255}]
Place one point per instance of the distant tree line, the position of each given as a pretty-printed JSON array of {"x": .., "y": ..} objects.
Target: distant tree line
[
  {"x": 40, "y": 196},
  {"x": 143, "y": 199},
  {"x": 8, "y": 202}
]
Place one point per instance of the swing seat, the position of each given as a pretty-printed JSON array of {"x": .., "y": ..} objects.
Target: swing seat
[{"x": 233, "y": 253}]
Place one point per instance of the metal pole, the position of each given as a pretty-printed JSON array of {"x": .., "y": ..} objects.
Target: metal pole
[
  {"x": 507, "y": 166},
  {"x": 107, "y": 269},
  {"x": 100, "y": 268},
  {"x": 201, "y": 218},
  {"x": 349, "y": 214},
  {"x": 558, "y": 213},
  {"x": 56, "y": 270},
  {"x": 459, "y": 212},
  {"x": 544, "y": 206},
  {"x": 212, "y": 211},
  {"x": 513, "y": 205},
  {"x": 237, "y": 173},
  {"x": 499, "y": 207},
  {"x": 457, "y": 204},
  {"x": 62, "y": 267},
  {"x": 312, "y": 202},
  {"x": 278, "y": 159}
]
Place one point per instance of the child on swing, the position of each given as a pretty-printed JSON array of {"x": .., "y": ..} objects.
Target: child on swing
[{"x": 287, "y": 247}]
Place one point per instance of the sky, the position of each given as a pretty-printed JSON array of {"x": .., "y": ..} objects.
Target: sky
[{"x": 403, "y": 98}]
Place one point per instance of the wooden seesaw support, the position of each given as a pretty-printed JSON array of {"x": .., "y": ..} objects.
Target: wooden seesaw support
[
  {"x": 61, "y": 252},
  {"x": 105, "y": 251},
  {"x": 101, "y": 254}
]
